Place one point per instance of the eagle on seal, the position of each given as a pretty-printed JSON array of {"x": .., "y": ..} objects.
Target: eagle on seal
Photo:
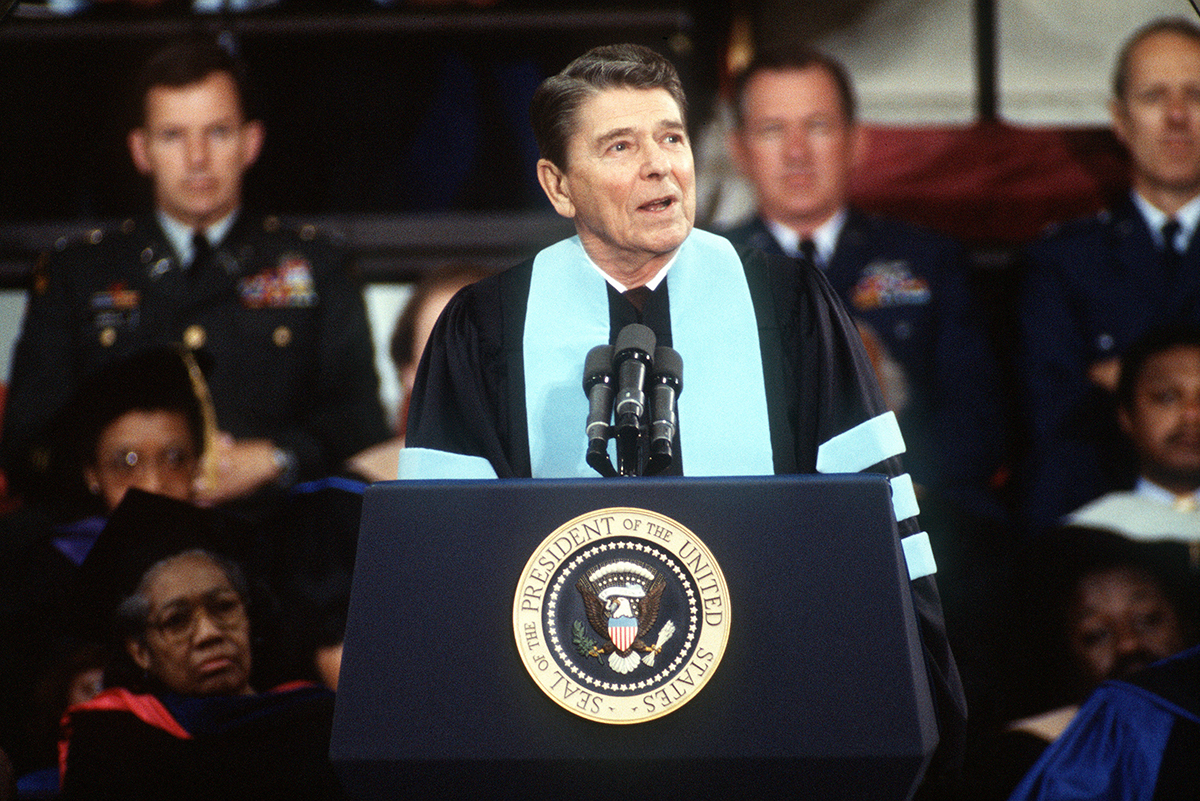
[{"x": 616, "y": 597}]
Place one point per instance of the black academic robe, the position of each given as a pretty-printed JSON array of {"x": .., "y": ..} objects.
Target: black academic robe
[
  {"x": 469, "y": 398},
  {"x": 269, "y": 746}
]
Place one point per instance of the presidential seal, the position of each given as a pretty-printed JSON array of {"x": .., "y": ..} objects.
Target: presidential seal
[{"x": 621, "y": 615}]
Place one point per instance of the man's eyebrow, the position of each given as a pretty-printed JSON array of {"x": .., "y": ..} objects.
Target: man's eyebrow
[
  {"x": 670, "y": 124},
  {"x": 616, "y": 133}
]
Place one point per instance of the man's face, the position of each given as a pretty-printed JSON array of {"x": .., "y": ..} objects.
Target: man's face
[
  {"x": 153, "y": 451},
  {"x": 1164, "y": 419},
  {"x": 1120, "y": 621},
  {"x": 796, "y": 146},
  {"x": 629, "y": 182},
  {"x": 197, "y": 639},
  {"x": 1158, "y": 119},
  {"x": 195, "y": 146}
]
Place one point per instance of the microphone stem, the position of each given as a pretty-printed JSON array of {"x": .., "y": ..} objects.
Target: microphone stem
[{"x": 628, "y": 446}]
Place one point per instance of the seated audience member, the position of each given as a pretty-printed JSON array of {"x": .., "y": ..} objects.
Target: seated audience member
[
  {"x": 797, "y": 139},
  {"x": 135, "y": 423},
  {"x": 141, "y": 422},
  {"x": 1095, "y": 286},
  {"x": 1099, "y": 607},
  {"x": 430, "y": 295},
  {"x": 1135, "y": 739},
  {"x": 77, "y": 676},
  {"x": 1158, "y": 408},
  {"x": 181, "y": 717}
]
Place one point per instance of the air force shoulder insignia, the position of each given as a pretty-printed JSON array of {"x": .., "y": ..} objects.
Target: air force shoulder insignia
[{"x": 621, "y": 615}]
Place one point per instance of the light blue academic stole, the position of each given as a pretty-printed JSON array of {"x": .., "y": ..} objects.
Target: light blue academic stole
[{"x": 723, "y": 424}]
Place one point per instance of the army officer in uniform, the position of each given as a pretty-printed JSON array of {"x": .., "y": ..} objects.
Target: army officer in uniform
[{"x": 293, "y": 382}]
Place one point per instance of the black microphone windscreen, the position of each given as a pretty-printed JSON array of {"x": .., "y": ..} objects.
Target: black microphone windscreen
[
  {"x": 597, "y": 364},
  {"x": 668, "y": 365},
  {"x": 635, "y": 336}
]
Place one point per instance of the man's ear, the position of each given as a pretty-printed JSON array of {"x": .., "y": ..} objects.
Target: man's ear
[
  {"x": 1119, "y": 121},
  {"x": 557, "y": 187},
  {"x": 138, "y": 652},
  {"x": 254, "y": 135},
  {"x": 137, "y": 150}
]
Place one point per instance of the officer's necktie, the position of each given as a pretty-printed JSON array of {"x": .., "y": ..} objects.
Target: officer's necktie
[
  {"x": 201, "y": 254},
  {"x": 808, "y": 252},
  {"x": 1171, "y": 255}
]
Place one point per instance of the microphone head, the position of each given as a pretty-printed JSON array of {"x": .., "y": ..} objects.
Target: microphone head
[
  {"x": 635, "y": 337},
  {"x": 597, "y": 366},
  {"x": 668, "y": 367}
]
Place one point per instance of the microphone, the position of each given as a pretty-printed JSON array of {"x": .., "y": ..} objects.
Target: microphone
[
  {"x": 598, "y": 385},
  {"x": 665, "y": 386},
  {"x": 632, "y": 361}
]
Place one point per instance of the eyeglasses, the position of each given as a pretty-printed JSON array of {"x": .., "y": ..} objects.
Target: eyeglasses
[
  {"x": 124, "y": 462},
  {"x": 179, "y": 622}
]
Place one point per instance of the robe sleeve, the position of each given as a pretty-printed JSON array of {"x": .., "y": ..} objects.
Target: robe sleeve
[
  {"x": 467, "y": 378},
  {"x": 842, "y": 421}
]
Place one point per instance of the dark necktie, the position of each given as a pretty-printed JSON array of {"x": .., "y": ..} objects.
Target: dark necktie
[
  {"x": 1171, "y": 255},
  {"x": 638, "y": 297},
  {"x": 201, "y": 254},
  {"x": 808, "y": 252}
]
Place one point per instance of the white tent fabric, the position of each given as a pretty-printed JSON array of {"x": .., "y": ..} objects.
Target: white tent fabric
[
  {"x": 913, "y": 61},
  {"x": 1056, "y": 56}
]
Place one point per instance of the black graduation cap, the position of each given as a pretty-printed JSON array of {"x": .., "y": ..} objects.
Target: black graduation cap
[
  {"x": 161, "y": 377},
  {"x": 143, "y": 530},
  {"x": 1066, "y": 554}
]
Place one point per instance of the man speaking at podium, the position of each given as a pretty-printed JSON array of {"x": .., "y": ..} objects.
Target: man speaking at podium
[{"x": 778, "y": 381}]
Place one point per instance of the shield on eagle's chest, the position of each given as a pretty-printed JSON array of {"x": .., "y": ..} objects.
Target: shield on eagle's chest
[{"x": 622, "y": 631}]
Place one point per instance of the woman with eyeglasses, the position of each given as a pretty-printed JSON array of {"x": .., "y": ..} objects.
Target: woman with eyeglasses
[{"x": 184, "y": 720}]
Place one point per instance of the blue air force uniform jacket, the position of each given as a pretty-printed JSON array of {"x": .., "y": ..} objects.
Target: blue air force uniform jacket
[
  {"x": 1092, "y": 288},
  {"x": 278, "y": 310},
  {"x": 910, "y": 286}
]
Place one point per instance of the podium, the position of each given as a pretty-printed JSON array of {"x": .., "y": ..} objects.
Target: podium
[{"x": 821, "y": 692}]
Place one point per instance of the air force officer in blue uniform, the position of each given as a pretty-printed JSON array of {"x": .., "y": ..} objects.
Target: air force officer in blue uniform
[
  {"x": 798, "y": 142},
  {"x": 1096, "y": 285}
]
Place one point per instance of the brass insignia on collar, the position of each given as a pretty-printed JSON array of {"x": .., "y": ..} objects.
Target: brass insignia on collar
[{"x": 621, "y": 615}]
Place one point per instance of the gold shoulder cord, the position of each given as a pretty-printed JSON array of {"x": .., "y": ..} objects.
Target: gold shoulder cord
[{"x": 208, "y": 414}]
